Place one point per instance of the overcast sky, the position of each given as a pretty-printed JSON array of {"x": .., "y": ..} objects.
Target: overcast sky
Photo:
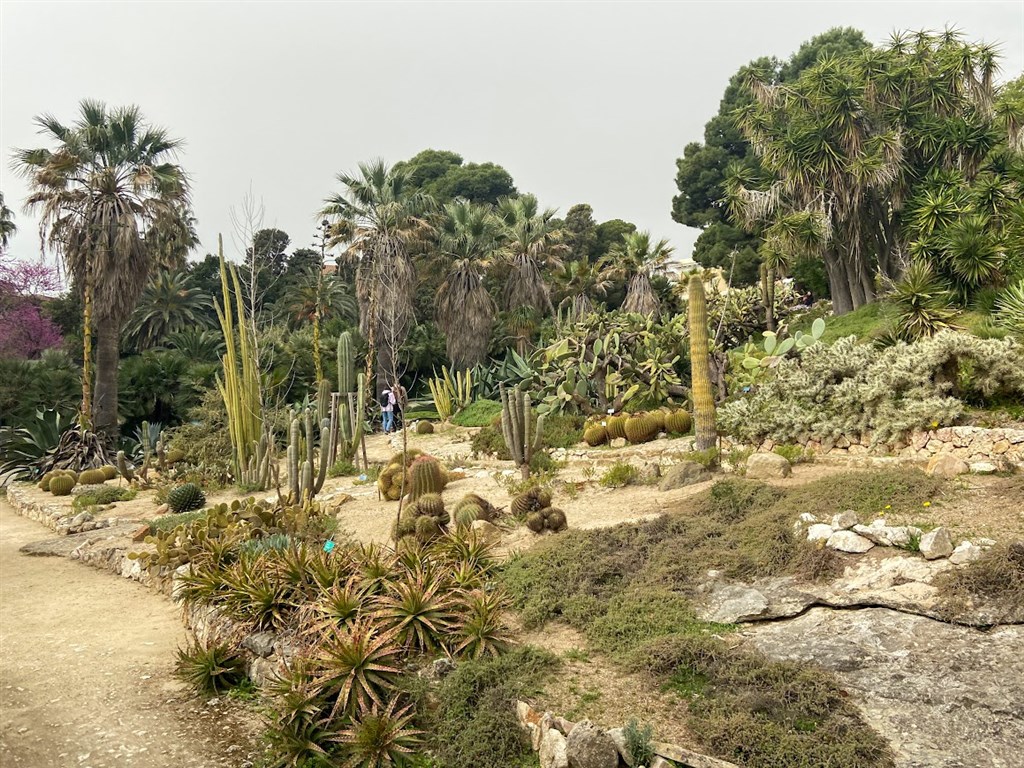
[{"x": 581, "y": 102}]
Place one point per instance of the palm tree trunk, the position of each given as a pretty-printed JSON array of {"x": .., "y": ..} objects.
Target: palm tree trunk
[
  {"x": 108, "y": 344},
  {"x": 85, "y": 417},
  {"x": 839, "y": 286}
]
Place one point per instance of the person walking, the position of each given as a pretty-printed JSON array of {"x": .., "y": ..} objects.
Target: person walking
[
  {"x": 401, "y": 399},
  {"x": 387, "y": 407}
]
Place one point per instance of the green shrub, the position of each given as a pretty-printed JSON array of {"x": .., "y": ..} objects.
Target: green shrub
[
  {"x": 489, "y": 441},
  {"x": 707, "y": 458},
  {"x": 342, "y": 468},
  {"x": 172, "y": 521},
  {"x": 794, "y": 454},
  {"x": 475, "y": 722},
  {"x": 105, "y": 494},
  {"x": 562, "y": 430},
  {"x": 618, "y": 475},
  {"x": 479, "y": 413},
  {"x": 639, "y": 742}
]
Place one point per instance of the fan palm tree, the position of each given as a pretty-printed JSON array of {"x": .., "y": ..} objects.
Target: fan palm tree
[
  {"x": 634, "y": 262},
  {"x": 464, "y": 308},
  {"x": 377, "y": 216},
  {"x": 169, "y": 303},
  {"x": 531, "y": 242},
  {"x": 581, "y": 281},
  {"x": 323, "y": 294},
  {"x": 7, "y": 227},
  {"x": 99, "y": 191}
]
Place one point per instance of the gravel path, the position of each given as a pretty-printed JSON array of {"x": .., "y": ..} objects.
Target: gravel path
[{"x": 86, "y": 671}]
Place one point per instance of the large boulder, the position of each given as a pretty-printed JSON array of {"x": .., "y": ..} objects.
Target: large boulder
[
  {"x": 947, "y": 465},
  {"x": 767, "y": 466},
  {"x": 848, "y": 541},
  {"x": 590, "y": 747},
  {"x": 683, "y": 474},
  {"x": 553, "y": 751},
  {"x": 936, "y": 544}
]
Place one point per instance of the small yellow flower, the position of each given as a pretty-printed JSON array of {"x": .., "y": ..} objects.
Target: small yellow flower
[
  {"x": 935, "y": 424},
  {"x": 927, "y": 504},
  {"x": 888, "y": 506}
]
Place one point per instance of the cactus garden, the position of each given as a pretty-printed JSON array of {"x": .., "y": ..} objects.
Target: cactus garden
[{"x": 474, "y": 482}]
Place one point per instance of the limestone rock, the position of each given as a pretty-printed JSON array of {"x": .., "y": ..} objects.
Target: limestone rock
[
  {"x": 819, "y": 532},
  {"x": 947, "y": 465},
  {"x": 590, "y": 747},
  {"x": 848, "y": 541},
  {"x": 943, "y": 695},
  {"x": 683, "y": 474},
  {"x": 617, "y": 442},
  {"x": 767, "y": 466},
  {"x": 553, "y": 750},
  {"x": 728, "y": 603},
  {"x": 486, "y": 532},
  {"x": 965, "y": 552},
  {"x": 261, "y": 643},
  {"x": 886, "y": 535},
  {"x": 844, "y": 520},
  {"x": 164, "y": 509},
  {"x": 983, "y": 468},
  {"x": 618, "y": 735},
  {"x": 936, "y": 544}
]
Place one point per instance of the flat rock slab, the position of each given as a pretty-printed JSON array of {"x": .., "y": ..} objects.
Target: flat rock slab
[
  {"x": 63, "y": 546},
  {"x": 944, "y": 696}
]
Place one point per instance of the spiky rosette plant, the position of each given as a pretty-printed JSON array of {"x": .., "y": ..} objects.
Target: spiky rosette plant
[
  {"x": 211, "y": 669},
  {"x": 419, "y": 611},
  {"x": 595, "y": 435},
  {"x": 482, "y": 631},
  {"x": 186, "y": 497},
  {"x": 380, "y": 738},
  {"x": 357, "y": 667}
]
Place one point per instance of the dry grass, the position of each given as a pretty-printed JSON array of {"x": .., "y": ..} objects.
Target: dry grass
[{"x": 998, "y": 578}]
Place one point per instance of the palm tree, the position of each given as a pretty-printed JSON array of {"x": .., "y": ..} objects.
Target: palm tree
[
  {"x": 464, "y": 308},
  {"x": 634, "y": 262},
  {"x": 7, "y": 227},
  {"x": 377, "y": 216},
  {"x": 531, "y": 242},
  {"x": 581, "y": 281},
  {"x": 315, "y": 293},
  {"x": 99, "y": 191},
  {"x": 169, "y": 303}
]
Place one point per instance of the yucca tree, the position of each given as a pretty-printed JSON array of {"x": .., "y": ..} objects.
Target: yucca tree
[
  {"x": 377, "y": 216},
  {"x": 7, "y": 226},
  {"x": 530, "y": 243},
  {"x": 101, "y": 187},
  {"x": 634, "y": 262},
  {"x": 464, "y": 309},
  {"x": 848, "y": 142},
  {"x": 169, "y": 304}
]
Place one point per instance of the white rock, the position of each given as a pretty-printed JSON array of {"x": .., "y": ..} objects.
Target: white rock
[
  {"x": 764, "y": 466},
  {"x": 553, "y": 752},
  {"x": 984, "y": 468},
  {"x": 808, "y": 518},
  {"x": 936, "y": 544},
  {"x": 819, "y": 532},
  {"x": 844, "y": 520},
  {"x": 947, "y": 465},
  {"x": 985, "y": 543},
  {"x": 618, "y": 735},
  {"x": 965, "y": 552},
  {"x": 848, "y": 541},
  {"x": 485, "y": 531}
]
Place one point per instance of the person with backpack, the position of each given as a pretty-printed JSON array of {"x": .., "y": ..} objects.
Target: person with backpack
[{"x": 387, "y": 407}]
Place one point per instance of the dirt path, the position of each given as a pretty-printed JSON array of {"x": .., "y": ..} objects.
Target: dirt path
[{"x": 86, "y": 671}]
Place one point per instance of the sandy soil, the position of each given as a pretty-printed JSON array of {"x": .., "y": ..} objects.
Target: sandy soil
[{"x": 86, "y": 671}]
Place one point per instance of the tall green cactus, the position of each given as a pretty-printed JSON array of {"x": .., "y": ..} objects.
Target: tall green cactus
[
  {"x": 700, "y": 365},
  {"x": 346, "y": 364},
  {"x": 262, "y": 466},
  {"x": 521, "y": 436},
  {"x": 306, "y": 477},
  {"x": 240, "y": 384}
]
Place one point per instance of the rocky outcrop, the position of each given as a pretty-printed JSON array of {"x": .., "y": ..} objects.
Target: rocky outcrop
[
  {"x": 944, "y": 696},
  {"x": 767, "y": 466}
]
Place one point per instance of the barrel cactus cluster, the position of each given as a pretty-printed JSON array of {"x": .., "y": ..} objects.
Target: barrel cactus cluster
[
  {"x": 417, "y": 474},
  {"x": 637, "y": 427},
  {"x": 62, "y": 483},
  {"x": 185, "y": 498},
  {"x": 534, "y": 507},
  {"x": 91, "y": 477},
  {"x": 423, "y": 519},
  {"x": 472, "y": 508}
]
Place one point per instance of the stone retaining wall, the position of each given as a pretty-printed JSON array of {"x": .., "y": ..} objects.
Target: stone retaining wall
[
  {"x": 52, "y": 512},
  {"x": 1002, "y": 448}
]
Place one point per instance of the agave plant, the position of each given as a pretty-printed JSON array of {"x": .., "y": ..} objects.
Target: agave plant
[
  {"x": 296, "y": 727},
  {"x": 357, "y": 666},
  {"x": 23, "y": 449},
  {"x": 340, "y": 605},
  {"x": 925, "y": 304},
  {"x": 379, "y": 738},
  {"x": 481, "y": 631},
  {"x": 257, "y": 595},
  {"x": 211, "y": 668},
  {"x": 1010, "y": 309},
  {"x": 418, "y": 610}
]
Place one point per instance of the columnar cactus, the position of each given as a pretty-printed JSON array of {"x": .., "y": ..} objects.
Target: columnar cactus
[
  {"x": 700, "y": 366},
  {"x": 522, "y": 437},
  {"x": 305, "y": 479}
]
